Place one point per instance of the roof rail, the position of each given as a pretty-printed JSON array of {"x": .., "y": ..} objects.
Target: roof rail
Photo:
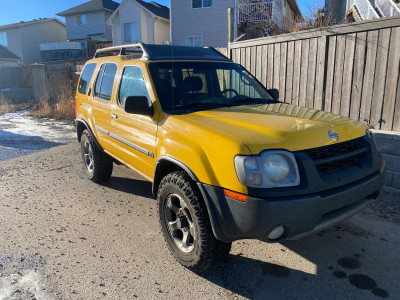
[
  {"x": 138, "y": 48},
  {"x": 163, "y": 52}
]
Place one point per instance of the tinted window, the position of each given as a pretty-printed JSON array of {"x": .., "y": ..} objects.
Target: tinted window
[
  {"x": 108, "y": 81},
  {"x": 215, "y": 83},
  {"x": 132, "y": 84},
  {"x": 85, "y": 78},
  {"x": 105, "y": 82},
  {"x": 98, "y": 82}
]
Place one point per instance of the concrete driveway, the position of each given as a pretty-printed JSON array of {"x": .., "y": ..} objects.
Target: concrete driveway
[{"x": 62, "y": 236}]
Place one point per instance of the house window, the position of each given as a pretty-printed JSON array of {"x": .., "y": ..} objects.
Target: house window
[
  {"x": 194, "y": 41},
  {"x": 81, "y": 19},
  {"x": 201, "y": 3},
  {"x": 131, "y": 33},
  {"x": 3, "y": 39}
]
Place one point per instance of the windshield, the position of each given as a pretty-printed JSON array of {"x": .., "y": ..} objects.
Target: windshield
[{"x": 194, "y": 84}]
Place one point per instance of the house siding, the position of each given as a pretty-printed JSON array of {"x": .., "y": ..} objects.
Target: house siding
[
  {"x": 8, "y": 63},
  {"x": 144, "y": 26},
  {"x": 151, "y": 28},
  {"x": 95, "y": 24},
  {"x": 129, "y": 13},
  {"x": 336, "y": 10},
  {"x": 25, "y": 41},
  {"x": 210, "y": 22},
  {"x": 289, "y": 19},
  {"x": 161, "y": 32},
  {"x": 116, "y": 31},
  {"x": 34, "y": 35},
  {"x": 14, "y": 41}
]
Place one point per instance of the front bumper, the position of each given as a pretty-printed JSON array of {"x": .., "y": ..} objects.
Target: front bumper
[{"x": 300, "y": 215}]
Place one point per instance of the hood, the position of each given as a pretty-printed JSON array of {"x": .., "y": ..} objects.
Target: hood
[{"x": 277, "y": 126}]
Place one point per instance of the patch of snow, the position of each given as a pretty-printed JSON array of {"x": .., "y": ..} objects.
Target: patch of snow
[
  {"x": 21, "y": 134},
  {"x": 21, "y": 277}
]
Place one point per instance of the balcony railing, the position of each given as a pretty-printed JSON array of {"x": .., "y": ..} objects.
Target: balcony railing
[
  {"x": 387, "y": 7},
  {"x": 365, "y": 9},
  {"x": 255, "y": 12}
]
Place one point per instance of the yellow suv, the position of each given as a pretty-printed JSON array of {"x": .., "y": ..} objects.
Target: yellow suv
[{"x": 227, "y": 160}]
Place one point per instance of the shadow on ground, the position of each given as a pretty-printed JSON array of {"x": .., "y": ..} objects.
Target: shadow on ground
[
  {"x": 349, "y": 262},
  {"x": 24, "y": 142}
]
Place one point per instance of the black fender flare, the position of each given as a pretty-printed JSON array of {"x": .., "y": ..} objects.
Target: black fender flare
[
  {"x": 173, "y": 164},
  {"x": 79, "y": 129},
  {"x": 172, "y": 161}
]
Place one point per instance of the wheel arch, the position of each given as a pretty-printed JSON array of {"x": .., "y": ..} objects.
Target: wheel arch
[
  {"x": 168, "y": 164},
  {"x": 81, "y": 125}
]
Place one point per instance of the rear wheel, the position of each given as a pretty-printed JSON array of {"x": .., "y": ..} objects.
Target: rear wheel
[
  {"x": 185, "y": 224},
  {"x": 98, "y": 166}
]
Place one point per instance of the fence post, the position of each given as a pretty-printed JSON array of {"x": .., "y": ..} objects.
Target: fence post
[{"x": 39, "y": 81}]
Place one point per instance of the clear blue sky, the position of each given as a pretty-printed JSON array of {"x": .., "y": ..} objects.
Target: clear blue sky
[{"x": 13, "y": 11}]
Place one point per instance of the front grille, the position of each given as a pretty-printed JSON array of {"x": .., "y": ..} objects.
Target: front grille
[{"x": 331, "y": 158}]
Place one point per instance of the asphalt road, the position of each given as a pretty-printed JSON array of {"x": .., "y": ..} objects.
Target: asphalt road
[{"x": 62, "y": 236}]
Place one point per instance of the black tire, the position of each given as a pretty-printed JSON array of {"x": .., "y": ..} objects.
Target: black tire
[
  {"x": 98, "y": 165},
  {"x": 185, "y": 224}
]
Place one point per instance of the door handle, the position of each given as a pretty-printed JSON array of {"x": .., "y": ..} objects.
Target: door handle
[{"x": 114, "y": 116}]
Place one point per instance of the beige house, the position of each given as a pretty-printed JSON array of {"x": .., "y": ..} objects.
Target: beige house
[
  {"x": 138, "y": 21},
  {"x": 24, "y": 38}
]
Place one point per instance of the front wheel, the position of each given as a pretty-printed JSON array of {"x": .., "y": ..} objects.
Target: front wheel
[
  {"x": 185, "y": 224},
  {"x": 98, "y": 166}
]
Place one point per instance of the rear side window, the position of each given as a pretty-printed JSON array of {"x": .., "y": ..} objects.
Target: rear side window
[
  {"x": 132, "y": 84},
  {"x": 105, "y": 81},
  {"x": 85, "y": 78},
  {"x": 98, "y": 82}
]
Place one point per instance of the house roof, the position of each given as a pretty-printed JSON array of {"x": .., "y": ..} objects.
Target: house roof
[
  {"x": 155, "y": 8},
  {"x": 152, "y": 7},
  {"x": 93, "y": 5},
  {"x": 27, "y": 23},
  {"x": 295, "y": 8},
  {"x": 7, "y": 54}
]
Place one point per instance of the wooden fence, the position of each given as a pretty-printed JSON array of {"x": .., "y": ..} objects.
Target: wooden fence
[
  {"x": 350, "y": 69},
  {"x": 8, "y": 77},
  {"x": 48, "y": 79}
]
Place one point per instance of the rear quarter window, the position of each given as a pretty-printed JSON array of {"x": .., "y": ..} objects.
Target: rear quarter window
[{"x": 85, "y": 78}]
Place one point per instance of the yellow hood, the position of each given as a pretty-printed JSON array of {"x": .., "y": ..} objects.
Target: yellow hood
[{"x": 279, "y": 126}]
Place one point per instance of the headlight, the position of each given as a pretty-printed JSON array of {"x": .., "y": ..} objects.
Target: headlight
[
  {"x": 369, "y": 134},
  {"x": 269, "y": 169}
]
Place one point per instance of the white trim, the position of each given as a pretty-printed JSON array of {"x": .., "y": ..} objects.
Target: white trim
[{"x": 212, "y": 5}]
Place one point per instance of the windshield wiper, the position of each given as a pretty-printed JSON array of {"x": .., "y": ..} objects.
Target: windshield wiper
[
  {"x": 199, "y": 104},
  {"x": 253, "y": 100}
]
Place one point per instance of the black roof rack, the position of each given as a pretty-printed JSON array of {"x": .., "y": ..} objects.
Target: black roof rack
[{"x": 163, "y": 52}]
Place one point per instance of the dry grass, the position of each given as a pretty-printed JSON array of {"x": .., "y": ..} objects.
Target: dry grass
[
  {"x": 6, "y": 106},
  {"x": 57, "y": 103}
]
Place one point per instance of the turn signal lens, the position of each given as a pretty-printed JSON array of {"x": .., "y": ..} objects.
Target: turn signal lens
[
  {"x": 253, "y": 179},
  {"x": 236, "y": 196}
]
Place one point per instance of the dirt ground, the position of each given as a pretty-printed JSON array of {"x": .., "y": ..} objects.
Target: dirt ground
[{"x": 64, "y": 237}]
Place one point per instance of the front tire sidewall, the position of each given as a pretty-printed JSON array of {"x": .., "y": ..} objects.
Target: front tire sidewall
[{"x": 186, "y": 258}]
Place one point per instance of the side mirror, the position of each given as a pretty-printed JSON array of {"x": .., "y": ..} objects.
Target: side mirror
[
  {"x": 138, "y": 105},
  {"x": 274, "y": 93}
]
